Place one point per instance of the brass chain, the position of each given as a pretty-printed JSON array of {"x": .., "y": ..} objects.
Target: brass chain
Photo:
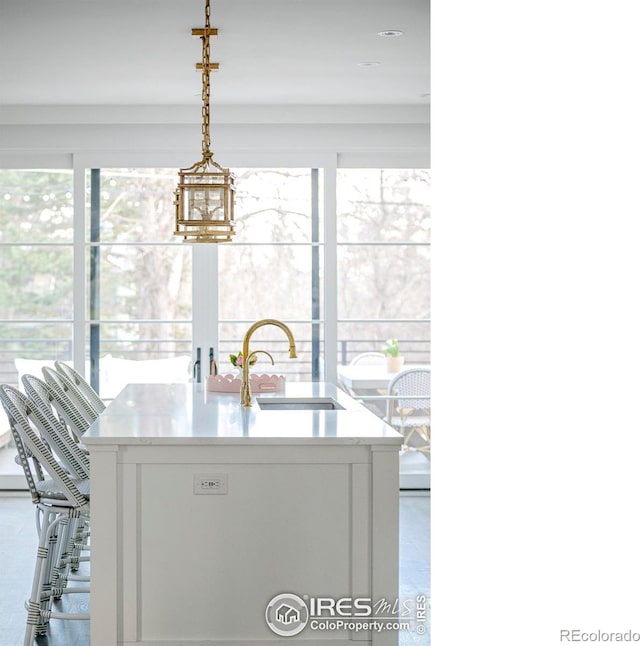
[{"x": 206, "y": 85}]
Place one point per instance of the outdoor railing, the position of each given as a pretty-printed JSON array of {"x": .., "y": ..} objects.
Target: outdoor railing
[{"x": 414, "y": 351}]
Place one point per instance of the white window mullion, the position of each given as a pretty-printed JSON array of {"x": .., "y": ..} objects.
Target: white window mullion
[{"x": 330, "y": 271}]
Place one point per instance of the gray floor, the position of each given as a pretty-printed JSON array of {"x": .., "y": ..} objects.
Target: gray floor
[{"x": 17, "y": 555}]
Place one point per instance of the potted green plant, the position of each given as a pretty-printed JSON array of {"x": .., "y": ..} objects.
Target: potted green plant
[{"x": 391, "y": 350}]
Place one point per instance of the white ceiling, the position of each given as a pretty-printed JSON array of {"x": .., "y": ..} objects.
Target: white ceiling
[{"x": 278, "y": 52}]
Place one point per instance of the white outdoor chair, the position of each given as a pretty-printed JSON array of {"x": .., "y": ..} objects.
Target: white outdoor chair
[
  {"x": 411, "y": 416},
  {"x": 368, "y": 359},
  {"x": 61, "y": 503}
]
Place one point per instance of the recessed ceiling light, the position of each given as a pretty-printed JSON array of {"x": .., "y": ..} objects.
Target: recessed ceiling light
[
  {"x": 390, "y": 33},
  {"x": 369, "y": 63}
]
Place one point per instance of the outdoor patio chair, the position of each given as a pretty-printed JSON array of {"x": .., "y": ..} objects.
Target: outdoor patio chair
[
  {"x": 411, "y": 416},
  {"x": 368, "y": 359}
]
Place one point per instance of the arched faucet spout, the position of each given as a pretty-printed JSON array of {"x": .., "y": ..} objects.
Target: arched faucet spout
[{"x": 245, "y": 390}]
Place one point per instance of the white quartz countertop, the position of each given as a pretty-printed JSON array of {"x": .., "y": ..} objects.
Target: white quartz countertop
[{"x": 188, "y": 414}]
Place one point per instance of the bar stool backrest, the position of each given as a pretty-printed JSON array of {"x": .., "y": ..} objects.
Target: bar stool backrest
[
  {"x": 83, "y": 386},
  {"x": 52, "y": 429},
  {"x": 66, "y": 406}
]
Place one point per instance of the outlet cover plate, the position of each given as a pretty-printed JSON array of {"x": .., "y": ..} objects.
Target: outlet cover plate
[{"x": 210, "y": 483}]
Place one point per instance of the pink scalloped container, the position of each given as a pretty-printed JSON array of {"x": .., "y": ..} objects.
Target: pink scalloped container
[{"x": 259, "y": 383}]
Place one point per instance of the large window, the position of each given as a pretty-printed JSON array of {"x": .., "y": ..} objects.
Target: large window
[
  {"x": 36, "y": 275},
  {"x": 141, "y": 283},
  {"x": 273, "y": 269},
  {"x": 139, "y": 299},
  {"x": 139, "y": 305},
  {"x": 383, "y": 234},
  {"x": 383, "y": 220},
  {"x": 36, "y": 267}
]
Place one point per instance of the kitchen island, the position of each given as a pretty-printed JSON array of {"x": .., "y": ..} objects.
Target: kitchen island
[{"x": 203, "y": 511}]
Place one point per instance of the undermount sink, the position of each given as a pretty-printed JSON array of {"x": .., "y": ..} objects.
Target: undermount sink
[{"x": 298, "y": 403}]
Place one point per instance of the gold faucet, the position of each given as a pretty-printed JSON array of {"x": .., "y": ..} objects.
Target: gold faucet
[{"x": 245, "y": 390}]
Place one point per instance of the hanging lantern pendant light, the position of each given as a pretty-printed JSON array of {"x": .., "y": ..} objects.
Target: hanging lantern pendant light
[{"x": 205, "y": 192}]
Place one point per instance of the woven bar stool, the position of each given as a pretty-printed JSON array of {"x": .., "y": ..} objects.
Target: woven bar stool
[
  {"x": 71, "y": 455},
  {"x": 60, "y": 502}
]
